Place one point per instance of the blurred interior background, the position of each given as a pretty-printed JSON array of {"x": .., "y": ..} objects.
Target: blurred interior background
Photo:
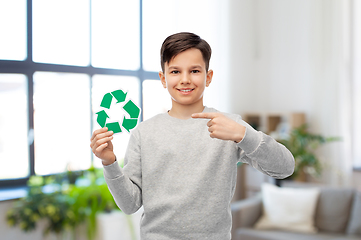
[{"x": 277, "y": 63}]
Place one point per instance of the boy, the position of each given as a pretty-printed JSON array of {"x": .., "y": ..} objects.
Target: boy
[{"x": 181, "y": 165}]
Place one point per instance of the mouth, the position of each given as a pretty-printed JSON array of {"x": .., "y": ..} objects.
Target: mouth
[{"x": 185, "y": 90}]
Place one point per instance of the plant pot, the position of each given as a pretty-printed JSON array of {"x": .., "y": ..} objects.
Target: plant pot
[{"x": 118, "y": 226}]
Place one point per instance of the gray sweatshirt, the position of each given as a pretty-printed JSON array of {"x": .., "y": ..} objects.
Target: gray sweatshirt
[{"x": 185, "y": 179}]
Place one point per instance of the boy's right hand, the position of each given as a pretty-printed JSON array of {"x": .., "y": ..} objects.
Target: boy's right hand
[{"x": 102, "y": 146}]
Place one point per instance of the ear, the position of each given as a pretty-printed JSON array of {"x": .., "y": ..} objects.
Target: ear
[
  {"x": 162, "y": 79},
  {"x": 209, "y": 77}
]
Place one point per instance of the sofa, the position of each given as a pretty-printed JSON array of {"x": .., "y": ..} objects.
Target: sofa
[{"x": 336, "y": 214}]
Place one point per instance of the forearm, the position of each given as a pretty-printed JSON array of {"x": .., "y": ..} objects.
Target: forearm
[
  {"x": 266, "y": 154},
  {"x": 126, "y": 193}
]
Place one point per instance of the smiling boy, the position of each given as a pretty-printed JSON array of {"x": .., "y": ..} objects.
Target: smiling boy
[{"x": 181, "y": 165}]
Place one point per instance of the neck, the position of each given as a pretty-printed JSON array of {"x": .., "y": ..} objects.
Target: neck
[{"x": 185, "y": 111}]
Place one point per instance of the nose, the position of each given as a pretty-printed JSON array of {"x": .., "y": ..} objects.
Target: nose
[{"x": 185, "y": 79}]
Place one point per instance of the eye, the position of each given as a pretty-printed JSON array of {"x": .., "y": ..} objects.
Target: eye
[
  {"x": 174, "y": 72},
  {"x": 195, "y": 71}
]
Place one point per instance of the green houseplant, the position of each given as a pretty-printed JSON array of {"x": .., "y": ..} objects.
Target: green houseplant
[
  {"x": 64, "y": 201},
  {"x": 303, "y": 144}
]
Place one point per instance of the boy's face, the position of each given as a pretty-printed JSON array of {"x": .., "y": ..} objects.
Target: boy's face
[{"x": 185, "y": 77}]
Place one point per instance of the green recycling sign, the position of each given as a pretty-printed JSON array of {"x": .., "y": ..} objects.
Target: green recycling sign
[{"x": 117, "y": 100}]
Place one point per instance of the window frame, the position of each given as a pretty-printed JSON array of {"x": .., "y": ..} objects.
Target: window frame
[{"x": 28, "y": 67}]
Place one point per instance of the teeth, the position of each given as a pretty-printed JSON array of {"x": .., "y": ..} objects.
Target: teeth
[{"x": 185, "y": 90}]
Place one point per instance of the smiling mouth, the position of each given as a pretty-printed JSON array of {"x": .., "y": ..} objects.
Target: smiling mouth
[{"x": 186, "y": 90}]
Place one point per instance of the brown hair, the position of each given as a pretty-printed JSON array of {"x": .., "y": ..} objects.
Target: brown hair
[{"x": 180, "y": 42}]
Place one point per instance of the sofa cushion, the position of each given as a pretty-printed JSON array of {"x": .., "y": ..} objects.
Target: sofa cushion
[
  {"x": 354, "y": 225},
  {"x": 253, "y": 234},
  {"x": 333, "y": 209},
  {"x": 290, "y": 209}
]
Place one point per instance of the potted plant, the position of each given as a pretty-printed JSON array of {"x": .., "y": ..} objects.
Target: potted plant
[
  {"x": 302, "y": 144},
  {"x": 64, "y": 201}
]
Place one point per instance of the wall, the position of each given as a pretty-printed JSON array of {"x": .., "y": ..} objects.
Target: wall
[{"x": 289, "y": 56}]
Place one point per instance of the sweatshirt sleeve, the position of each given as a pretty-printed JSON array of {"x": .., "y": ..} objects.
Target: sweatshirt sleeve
[
  {"x": 265, "y": 154},
  {"x": 125, "y": 184}
]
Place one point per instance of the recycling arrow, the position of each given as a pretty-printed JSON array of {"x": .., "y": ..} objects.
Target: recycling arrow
[
  {"x": 107, "y": 100},
  {"x": 114, "y": 127},
  {"x": 119, "y": 95},
  {"x": 102, "y": 118},
  {"x": 132, "y": 109},
  {"x": 129, "y": 123}
]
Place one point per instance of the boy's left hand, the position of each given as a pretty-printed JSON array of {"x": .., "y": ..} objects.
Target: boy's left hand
[{"x": 222, "y": 127}]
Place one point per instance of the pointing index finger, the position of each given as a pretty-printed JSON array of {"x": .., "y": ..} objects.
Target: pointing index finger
[{"x": 207, "y": 115}]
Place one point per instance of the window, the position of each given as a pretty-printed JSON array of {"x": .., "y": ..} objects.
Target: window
[
  {"x": 14, "y": 150},
  {"x": 13, "y": 36},
  {"x": 58, "y": 59},
  {"x": 61, "y": 32},
  {"x": 115, "y": 34},
  {"x": 61, "y": 122},
  {"x": 155, "y": 98}
]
